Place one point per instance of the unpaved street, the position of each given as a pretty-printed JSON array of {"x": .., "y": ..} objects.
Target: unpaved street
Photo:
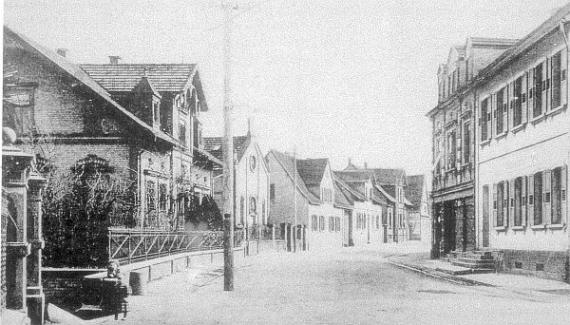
[{"x": 349, "y": 286}]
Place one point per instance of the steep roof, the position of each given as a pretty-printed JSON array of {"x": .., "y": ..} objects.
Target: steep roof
[
  {"x": 342, "y": 198},
  {"x": 76, "y": 72},
  {"x": 288, "y": 164},
  {"x": 388, "y": 175},
  {"x": 415, "y": 189},
  {"x": 214, "y": 145},
  {"x": 349, "y": 189},
  {"x": 124, "y": 77},
  {"x": 312, "y": 170}
]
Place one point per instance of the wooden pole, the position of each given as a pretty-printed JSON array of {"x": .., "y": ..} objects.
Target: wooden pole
[{"x": 227, "y": 150}]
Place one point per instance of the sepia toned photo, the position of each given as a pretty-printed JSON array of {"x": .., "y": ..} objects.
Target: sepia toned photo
[{"x": 285, "y": 162}]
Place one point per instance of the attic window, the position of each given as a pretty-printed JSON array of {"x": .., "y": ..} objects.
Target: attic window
[{"x": 156, "y": 113}]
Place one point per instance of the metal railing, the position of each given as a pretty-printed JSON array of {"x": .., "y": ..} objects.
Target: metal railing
[{"x": 135, "y": 245}]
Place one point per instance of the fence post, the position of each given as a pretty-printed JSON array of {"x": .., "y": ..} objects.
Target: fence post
[{"x": 273, "y": 236}]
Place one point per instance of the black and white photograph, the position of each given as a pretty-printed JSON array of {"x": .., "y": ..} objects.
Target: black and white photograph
[{"x": 285, "y": 162}]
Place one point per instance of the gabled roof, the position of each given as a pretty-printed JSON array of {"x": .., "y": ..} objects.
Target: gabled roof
[
  {"x": 165, "y": 77},
  {"x": 415, "y": 189},
  {"x": 354, "y": 194},
  {"x": 214, "y": 146},
  {"x": 145, "y": 82},
  {"x": 288, "y": 164},
  {"x": 76, "y": 72},
  {"x": 312, "y": 170},
  {"x": 124, "y": 77},
  {"x": 388, "y": 175},
  {"x": 386, "y": 194},
  {"x": 342, "y": 198}
]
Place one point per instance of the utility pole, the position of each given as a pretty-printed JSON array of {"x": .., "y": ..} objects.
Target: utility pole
[
  {"x": 228, "y": 150},
  {"x": 295, "y": 200}
]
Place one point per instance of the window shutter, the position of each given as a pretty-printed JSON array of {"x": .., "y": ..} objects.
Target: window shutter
[
  {"x": 543, "y": 86},
  {"x": 524, "y": 200},
  {"x": 546, "y": 196},
  {"x": 530, "y": 204},
  {"x": 511, "y": 215},
  {"x": 510, "y": 107},
  {"x": 530, "y": 92},
  {"x": 564, "y": 194},
  {"x": 524, "y": 94},
  {"x": 563, "y": 77},
  {"x": 495, "y": 203},
  {"x": 506, "y": 203},
  {"x": 506, "y": 97},
  {"x": 493, "y": 120}
]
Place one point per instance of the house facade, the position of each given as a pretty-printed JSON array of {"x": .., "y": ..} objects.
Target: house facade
[
  {"x": 302, "y": 192},
  {"x": 142, "y": 129},
  {"x": 389, "y": 188},
  {"x": 369, "y": 208},
  {"x": 419, "y": 218},
  {"x": 453, "y": 121},
  {"x": 251, "y": 177},
  {"x": 524, "y": 150}
]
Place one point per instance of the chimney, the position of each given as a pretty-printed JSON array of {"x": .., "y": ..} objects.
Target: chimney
[
  {"x": 61, "y": 51},
  {"x": 365, "y": 165},
  {"x": 114, "y": 59}
]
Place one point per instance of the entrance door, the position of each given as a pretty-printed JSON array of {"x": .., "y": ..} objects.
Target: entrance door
[
  {"x": 449, "y": 232},
  {"x": 350, "y": 230},
  {"x": 485, "y": 233}
]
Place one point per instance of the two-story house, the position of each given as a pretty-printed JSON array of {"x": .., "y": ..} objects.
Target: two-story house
[
  {"x": 523, "y": 152},
  {"x": 369, "y": 209},
  {"x": 71, "y": 122},
  {"x": 453, "y": 144},
  {"x": 302, "y": 192},
  {"x": 251, "y": 178}
]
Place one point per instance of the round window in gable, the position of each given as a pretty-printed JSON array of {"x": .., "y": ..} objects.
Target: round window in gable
[{"x": 252, "y": 163}]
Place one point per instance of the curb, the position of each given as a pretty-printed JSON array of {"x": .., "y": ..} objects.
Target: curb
[{"x": 440, "y": 275}]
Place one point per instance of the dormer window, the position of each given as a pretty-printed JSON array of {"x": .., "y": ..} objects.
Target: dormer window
[{"x": 156, "y": 113}]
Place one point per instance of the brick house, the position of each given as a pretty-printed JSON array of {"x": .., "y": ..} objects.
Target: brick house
[
  {"x": 144, "y": 127},
  {"x": 302, "y": 192},
  {"x": 251, "y": 177},
  {"x": 523, "y": 150},
  {"x": 453, "y": 168}
]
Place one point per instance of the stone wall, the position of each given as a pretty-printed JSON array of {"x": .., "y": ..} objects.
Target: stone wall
[{"x": 544, "y": 264}]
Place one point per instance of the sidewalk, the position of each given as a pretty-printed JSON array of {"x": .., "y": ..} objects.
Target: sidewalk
[{"x": 414, "y": 259}]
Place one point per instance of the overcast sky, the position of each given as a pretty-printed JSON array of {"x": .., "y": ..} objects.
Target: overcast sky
[{"x": 334, "y": 79}]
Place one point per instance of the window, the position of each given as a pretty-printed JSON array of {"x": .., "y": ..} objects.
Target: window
[
  {"x": 263, "y": 212},
  {"x": 314, "y": 223},
  {"x": 518, "y": 202},
  {"x": 326, "y": 194},
  {"x": 451, "y": 147},
  {"x": 557, "y": 195},
  {"x": 556, "y": 62},
  {"x": 252, "y": 206},
  {"x": 484, "y": 119},
  {"x": 156, "y": 112},
  {"x": 163, "y": 197},
  {"x": 517, "y": 102},
  {"x": 321, "y": 223},
  {"x": 241, "y": 209},
  {"x": 538, "y": 89},
  {"x": 538, "y": 198},
  {"x": 182, "y": 133},
  {"x": 390, "y": 218},
  {"x": 500, "y": 111},
  {"x": 150, "y": 196},
  {"x": 377, "y": 221},
  {"x": 501, "y": 204},
  {"x": 272, "y": 192},
  {"x": 466, "y": 142},
  {"x": 331, "y": 223}
]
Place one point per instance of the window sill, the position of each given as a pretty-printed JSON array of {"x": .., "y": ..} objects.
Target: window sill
[
  {"x": 518, "y": 228},
  {"x": 484, "y": 143},
  {"x": 538, "y": 227},
  {"x": 501, "y": 135},
  {"x": 556, "y": 226},
  {"x": 518, "y": 127},
  {"x": 501, "y": 228},
  {"x": 538, "y": 119},
  {"x": 556, "y": 111}
]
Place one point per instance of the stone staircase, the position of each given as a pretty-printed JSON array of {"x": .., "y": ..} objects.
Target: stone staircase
[{"x": 473, "y": 262}]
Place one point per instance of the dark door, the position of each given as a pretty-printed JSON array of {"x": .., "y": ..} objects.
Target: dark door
[
  {"x": 350, "y": 227},
  {"x": 485, "y": 216},
  {"x": 449, "y": 231}
]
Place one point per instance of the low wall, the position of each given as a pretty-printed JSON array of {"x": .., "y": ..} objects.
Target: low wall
[
  {"x": 544, "y": 264},
  {"x": 63, "y": 286}
]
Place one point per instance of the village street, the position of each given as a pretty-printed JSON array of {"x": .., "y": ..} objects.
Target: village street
[{"x": 348, "y": 286}]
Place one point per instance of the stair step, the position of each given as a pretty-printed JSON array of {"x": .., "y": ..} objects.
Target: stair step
[
  {"x": 475, "y": 260},
  {"x": 474, "y": 265}
]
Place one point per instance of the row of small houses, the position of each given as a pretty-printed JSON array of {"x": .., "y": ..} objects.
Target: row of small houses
[{"x": 129, "y": 138}]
